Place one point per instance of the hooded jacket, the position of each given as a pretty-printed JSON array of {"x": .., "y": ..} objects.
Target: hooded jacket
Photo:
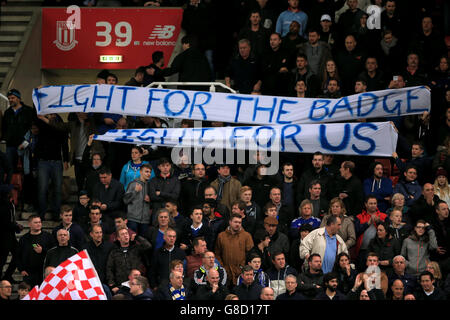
[
  {"x": 277, "y": 277},
  {"x": 138, "y": 210},
  {"x": 416, "y": 250},
  {"x": 231, "y": 249},
  {"x": 130, "y": 173},
  {"x": 380, "y": 189}
]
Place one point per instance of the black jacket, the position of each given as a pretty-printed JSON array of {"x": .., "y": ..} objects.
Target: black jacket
[
  {"x": 205, "y": 293},
  {"x": 192, "y": 193},
  {"x": 111, "y": 196},
  {"x": 422, "y": 210},
  {"x": 77, "y": 236},
  {"x": 28, "y": 259},
  {"x": 250, "y": 292},
  {"x": 168, "y": 187},
  {"x": 386, "y": 249},
  {"x": 58, "y": 254},
  {"x": 306, "y": 178},
  {"x": 160, "y": 264},
  {"x": 260, "y": 188},
  {"x": 15, "y": 125},
  {"x": 323, "y": 296},
  {"x": 437, "y": 294},
  {"x": 99, "y": 256},
  {"x": 122, "y": 260},
  {"x": 294, "y": 296},
  {"x": 191, "y": 66},
  {"x": 187, "y": 235},
  {"x": 52, "y": 143},
  {"x": 354, "y": 188},
  {"x": 307, "y": 283}
]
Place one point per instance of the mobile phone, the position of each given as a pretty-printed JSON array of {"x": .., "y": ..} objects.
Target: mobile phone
[
  {"x": 395, "y": 78},
  {"x": 34, "y": 245}
]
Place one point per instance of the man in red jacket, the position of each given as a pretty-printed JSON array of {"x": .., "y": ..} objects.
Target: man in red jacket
[{"x": 366, "y": 227}]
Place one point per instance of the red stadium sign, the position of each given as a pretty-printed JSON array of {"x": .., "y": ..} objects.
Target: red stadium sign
[{"x": 103, "y": 36}]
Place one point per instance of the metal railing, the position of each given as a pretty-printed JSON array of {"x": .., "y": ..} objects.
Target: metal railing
[
  {"x": 212, "y": 85},
  {"x": 4, "y": 102}
]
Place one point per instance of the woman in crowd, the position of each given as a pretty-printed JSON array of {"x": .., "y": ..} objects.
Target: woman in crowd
[
  {"x": 347, "y": 229},
  {"x": 346, "y": 272},
  {"x": 385, "y": 245},
  {"x": 398, "y": 202},
  {"x": 441, "y": 186},
  {"x": 131, "y": 170},
  {"x": 435, "y": 269},
  {"x": 440, "y": 76},
  {"x": 416, "y": 248},
  {"x": 329, "y": 72}
]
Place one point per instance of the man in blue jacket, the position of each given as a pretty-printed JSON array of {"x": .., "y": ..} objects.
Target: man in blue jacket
[
  {"x": 379, "y": 186},
  {"x": 278, "y": 273}
]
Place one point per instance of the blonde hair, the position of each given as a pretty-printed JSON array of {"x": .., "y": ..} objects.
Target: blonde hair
[
  {"x": 341, "y": 203},
  {"x": 437, "y": 270},
  {"x": 442, "y": 192},
  {"x": 231, "y": 297},
  {"x": 396, "y": 196},
  {"x": 244, "y": 189}
]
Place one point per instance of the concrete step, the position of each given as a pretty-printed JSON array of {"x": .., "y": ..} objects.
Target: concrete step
[
  {"x": 10, "y": 38},
  {"x": 12, "y": 28},
  {"x": 15, "y": 19},
  {"x": 7, "y": 50},
  {"x": 18, "y": 10},
  {"x": 6, "y": 59},
  {"x": 24, "y": 2}
]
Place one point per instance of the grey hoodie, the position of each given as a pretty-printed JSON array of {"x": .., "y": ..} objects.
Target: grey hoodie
[
  {"x": 417, "y": 252},
  {"x": 138, "y": 210}
]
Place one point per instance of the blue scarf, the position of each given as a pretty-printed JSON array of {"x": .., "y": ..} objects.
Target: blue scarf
[{"x": 177, "y": 294}]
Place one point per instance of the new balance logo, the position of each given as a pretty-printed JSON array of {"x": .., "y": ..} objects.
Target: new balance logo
[{"x": 162, "y": 32}]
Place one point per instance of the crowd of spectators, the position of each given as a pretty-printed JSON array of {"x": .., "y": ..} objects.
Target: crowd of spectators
[{"x": 324, "y": 227}]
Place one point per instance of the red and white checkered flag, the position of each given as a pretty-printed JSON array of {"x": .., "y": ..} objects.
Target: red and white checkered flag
[
  {"x": 74, "y": 279},
  {"x": 33, "y": 294}
]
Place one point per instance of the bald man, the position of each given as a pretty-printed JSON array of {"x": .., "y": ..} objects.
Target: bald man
[
  {"x": 61, "y": 252},
  {"x": 5, "y": 290}
]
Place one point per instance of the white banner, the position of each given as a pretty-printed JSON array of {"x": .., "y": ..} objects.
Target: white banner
[
  {"x": 368, "y": 139},
  {"x": 227, "y": 107}
]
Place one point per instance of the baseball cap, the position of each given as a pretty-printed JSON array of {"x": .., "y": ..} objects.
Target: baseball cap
[{"x": 325, "y": 17}]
